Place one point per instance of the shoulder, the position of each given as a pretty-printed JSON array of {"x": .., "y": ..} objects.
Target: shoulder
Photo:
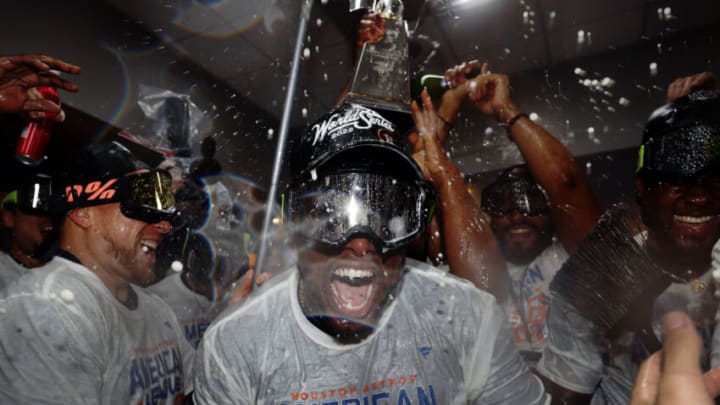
[
  {"x": 57, "y": 292},
  {"x": 164, "y": 286},
  {"x": 423, "y": 276},
  {"x": 260, "y": 307},
  {"x": 555, "y": 253},
  {"x": 10, "y": 270},
  {"x": 549, "y": 261},
  {"x": 426, "y": 288}
]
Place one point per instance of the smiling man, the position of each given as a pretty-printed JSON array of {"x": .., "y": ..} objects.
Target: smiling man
[
  {"x": 80, "y": 330},
  {"x": 27, "y": 222},
  {"x": 678, "y": 191},
  {"x": 355, "y": 322}
]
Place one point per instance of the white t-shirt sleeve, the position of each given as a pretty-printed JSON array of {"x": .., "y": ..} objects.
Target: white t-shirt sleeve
[
  {"x": 506, "y": 379},
  {"x": 572, "y": 357},
  {"x": 53, "y": 352}
]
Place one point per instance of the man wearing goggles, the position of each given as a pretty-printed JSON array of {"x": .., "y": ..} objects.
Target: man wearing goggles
[
  {"x": 527, "y": 206},
  {"x": 28, "y": 226},
  {"x": 82, "y": 328},
  {"x": 356, "y": 321},
  {"x": 520, "y": 212},
  {"x": 678, "y": 192}
]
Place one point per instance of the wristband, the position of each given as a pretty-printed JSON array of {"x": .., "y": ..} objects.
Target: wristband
[
  {"x": 509, "y": 123},
  {"x": 447, "y": 123}
]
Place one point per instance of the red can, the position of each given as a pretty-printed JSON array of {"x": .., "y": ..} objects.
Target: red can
[{"x": 30, "y": 148}]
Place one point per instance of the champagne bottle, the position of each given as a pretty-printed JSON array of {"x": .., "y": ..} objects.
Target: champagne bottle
[{"x": 436, "y": 85}]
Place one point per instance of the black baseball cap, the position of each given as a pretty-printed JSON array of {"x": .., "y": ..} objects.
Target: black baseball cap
[
  {"x": 352, "y": 137},
  {"x": 104, "y": 173},
  {"x": 682, "y": 138},
  {"x": 354, "y": 179}
]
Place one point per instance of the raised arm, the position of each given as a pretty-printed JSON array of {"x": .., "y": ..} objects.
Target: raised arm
[
  {"x": 470, "y": 246},
  {"x": 574, "y": 207}
]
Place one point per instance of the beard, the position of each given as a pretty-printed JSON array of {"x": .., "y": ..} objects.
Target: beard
[{"x": 140, "y": 273}]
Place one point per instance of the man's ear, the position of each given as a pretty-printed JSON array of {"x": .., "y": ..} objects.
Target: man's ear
[
  {"x": 8, "y": 219},
  {"x": 80, "y": 217}
]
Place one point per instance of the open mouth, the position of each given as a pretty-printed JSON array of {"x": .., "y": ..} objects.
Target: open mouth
[
  {"x": 148, "y": 246},
  {"x": 352, "y": 291},
  {"x": 693, "y": 219},
  {"x": 520, "y": 230}
]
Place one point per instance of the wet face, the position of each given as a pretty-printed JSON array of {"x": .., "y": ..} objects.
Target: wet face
[
  {"x": 345, "y": 292},
  {"x": 28, "y": 233},
  {"x": 130, "y": 244},
  {"x": 682, "y": 218},
  {"x": 522, "y": 237}
]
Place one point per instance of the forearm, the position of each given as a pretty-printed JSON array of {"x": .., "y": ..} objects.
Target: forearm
[
  {"x": 574, "y": 206},
  {"x": 472, "y": 251},
  {"x": 447, "y": 112}
]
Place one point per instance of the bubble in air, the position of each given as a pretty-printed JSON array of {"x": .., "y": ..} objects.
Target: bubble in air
[
  {"x": 591, "y": 131},
  {"x": 304, "y": 112},
  {"x": 270, "y": 133},
  {"x": 534, "y": 117},
  {"x": 667, "y": 11},
  {"x": 489, "y": 131},
  {"x": 580, "y": 37},
  {"x": 176, "y": 266},
  {"x": 624, "y": 102},
  {"x": 653, "y": 69},
  {"x": 580, "y": 72},
  {"x": 607, "y": 82},
  {"x": 319, "y": 22}
]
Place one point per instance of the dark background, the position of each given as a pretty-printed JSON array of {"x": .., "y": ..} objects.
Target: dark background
[{"x": 233, "y": 58}]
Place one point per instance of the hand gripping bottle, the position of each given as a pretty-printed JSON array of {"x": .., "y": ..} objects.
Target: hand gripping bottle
[{"x": 31, "y": 144}]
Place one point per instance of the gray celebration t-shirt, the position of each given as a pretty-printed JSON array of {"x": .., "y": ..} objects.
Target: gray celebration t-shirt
[
  {"x": 10, "y": 270},
  {"x": 194, "y": 311},
  {"x": 441, "y": 341},
  {"x": 66, "y": 340}
]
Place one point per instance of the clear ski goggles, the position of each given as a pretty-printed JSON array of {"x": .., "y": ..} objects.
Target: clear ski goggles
[
  {"x": 340, "y": 206},
  {"x": 681, "y": 155},
  {"x": 500, "y": 199},
  {"x": 147, "y": 196},
  {"x": 31, "y": 198}
]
